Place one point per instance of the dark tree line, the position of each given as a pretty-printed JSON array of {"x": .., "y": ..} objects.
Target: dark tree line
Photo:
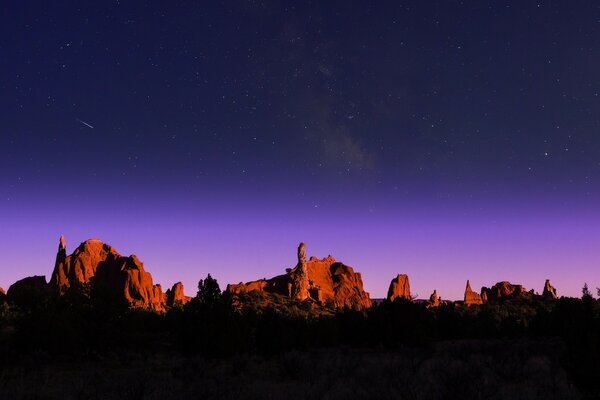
[{"x": 87, "y": 323}]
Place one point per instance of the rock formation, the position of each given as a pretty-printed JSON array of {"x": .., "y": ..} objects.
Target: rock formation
[
  {"x": 399, "y": 288},
  {"x": 2, "y": 295},
  {"x": 123, "y": 276},
  {"x": 28, "y": 291},
  {"x": 504, "y": 290},
  {"x": 434, "y": 300},
  {"x": 175, "y": 296},
  {"x": 471, "y": 297},
  {"x": 549, "y": 291},
  {"x": 324, "y": 281}
]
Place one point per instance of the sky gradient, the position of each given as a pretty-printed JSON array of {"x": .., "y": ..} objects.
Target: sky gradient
[{"x": 445, "y": 140}]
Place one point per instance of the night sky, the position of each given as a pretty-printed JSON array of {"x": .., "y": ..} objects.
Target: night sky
[{"x": 446, "y": 140}]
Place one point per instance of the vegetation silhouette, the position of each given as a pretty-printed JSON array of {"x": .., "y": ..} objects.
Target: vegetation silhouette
[{"x": 88, "y": 323}]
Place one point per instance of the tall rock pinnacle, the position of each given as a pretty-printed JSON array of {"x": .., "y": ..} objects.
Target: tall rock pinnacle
[
  {"x": 399, "y": 288},
  {"x": 471, "y": 297}
]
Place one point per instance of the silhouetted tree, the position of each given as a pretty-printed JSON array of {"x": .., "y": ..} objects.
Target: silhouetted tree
[
  {"x": 585, "y": 292},
  {"x": 209, "y": 291}
]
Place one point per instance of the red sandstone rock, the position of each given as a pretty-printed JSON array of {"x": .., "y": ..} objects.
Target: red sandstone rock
[
  {"x": 399, "y": 288},
  {"x": 175, "y": 295},
  {"x": 549, "y": 291},
  {"x": 324, "y": 281},
  {"x": 471, "y": 297},
  {"x": 125, "y": 276},
  {"x": 434, "y": 300},
  {"x": 504, "y": 290}
]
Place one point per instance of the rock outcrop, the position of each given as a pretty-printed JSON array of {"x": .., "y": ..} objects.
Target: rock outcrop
[
  {"x": 504, "y": 290},
  {"x": 2, "y": 295},
  {"x": 28, "y": 291},
  {"x": 434, "y": 300},
  {"x": 124, "y": 277},
  {"x": 549, "y": 291},
  {"x": 399, "y": 288},
  {"x": 175, "y": 295},
  {"x": 324, "y": 281},
  {"x": 471, "y": 298}
]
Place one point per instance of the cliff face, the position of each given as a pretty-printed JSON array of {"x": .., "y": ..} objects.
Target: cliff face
[
  {"x": 125, "y": 277},
  {"x": 471, "y": 298},
  {"x": 399, "y": 288},
  {"x": 325, "y": 281}
]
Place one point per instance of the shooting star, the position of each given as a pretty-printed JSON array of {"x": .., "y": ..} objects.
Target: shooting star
[{"x": 85, "y": 123}]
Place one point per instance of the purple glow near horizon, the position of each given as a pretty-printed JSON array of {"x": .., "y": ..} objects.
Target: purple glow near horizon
[{"x": 438, "y": 247}]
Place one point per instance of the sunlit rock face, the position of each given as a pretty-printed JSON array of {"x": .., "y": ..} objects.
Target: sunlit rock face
[
  {"x": 549, "y": 291},
  {"x": 505, "y": 290},
  {"x": 175, "y": 295},
  {"x": 471, "y": 298},
  {"x": 124, "y": 277},
  {"x": 399, "y": 288},
  {"x": 325, "y": 281}
]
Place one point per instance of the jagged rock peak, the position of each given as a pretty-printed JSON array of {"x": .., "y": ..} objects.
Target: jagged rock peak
[
  {"x": 62, "y": 245},
  {"x": 399, "y": 288},
  {"x": 124, "y": 276},
  {"x": 175, "y": 295},
  {"x": 434, "y": 300},
  {"x": 549, "y": 291},
  {"x": 471, "y": 297},
  {"x": 324, "y": 281},
  {"x": 504, "y": 290}
]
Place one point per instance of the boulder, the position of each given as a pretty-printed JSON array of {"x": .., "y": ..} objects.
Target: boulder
[
  {"x": 471, "y": 298},
  {"x": 124, "y": 277},
  {"x": 175, "y": 295},
  {"x": 504, "y": 290},
  {"x": 323, "y": 281},
  {"x": 549, "y": 291},
  {"x": 399, "y": 288}
]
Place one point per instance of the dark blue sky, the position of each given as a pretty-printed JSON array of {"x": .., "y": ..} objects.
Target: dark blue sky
[{"x": 475, "y": 111}]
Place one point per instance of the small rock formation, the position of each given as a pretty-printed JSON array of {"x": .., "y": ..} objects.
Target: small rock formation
[
  {"x": 549, "y": 291},
  {"x": 471, "y": 297},
  {"x": 434, "y": 300},
  {"x": 175, "y": 295},
  {"x": 324, "y": 281},
  {"x": 123, "y": 276},
  {"x": 504, "y": 290},
  {"x": 399, "y": 288},
  {"x": 2, "y": 295},
  {"x": 28, "y": 291}
]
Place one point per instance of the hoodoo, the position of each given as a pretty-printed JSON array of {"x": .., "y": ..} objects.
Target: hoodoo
[
  {"x": 324, "y": 281},
  {"x": 471, "y": 298},
  {"x": 549, "y": 291},
  {"x": 399, "y": 288}
]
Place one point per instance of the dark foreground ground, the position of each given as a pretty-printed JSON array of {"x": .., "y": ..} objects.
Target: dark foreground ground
[{"x": 475, "y": 369}]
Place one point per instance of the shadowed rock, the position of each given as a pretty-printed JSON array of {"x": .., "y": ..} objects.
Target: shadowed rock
[
  {"x": 28, "y": 291},
  {"x": 324, "y": 281},
  {"x": 399, "y": 288},
  {"x": 549, "y": 291},
  {"x": 471, "y": 298},
  {"x": 124, "y": 277}
]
